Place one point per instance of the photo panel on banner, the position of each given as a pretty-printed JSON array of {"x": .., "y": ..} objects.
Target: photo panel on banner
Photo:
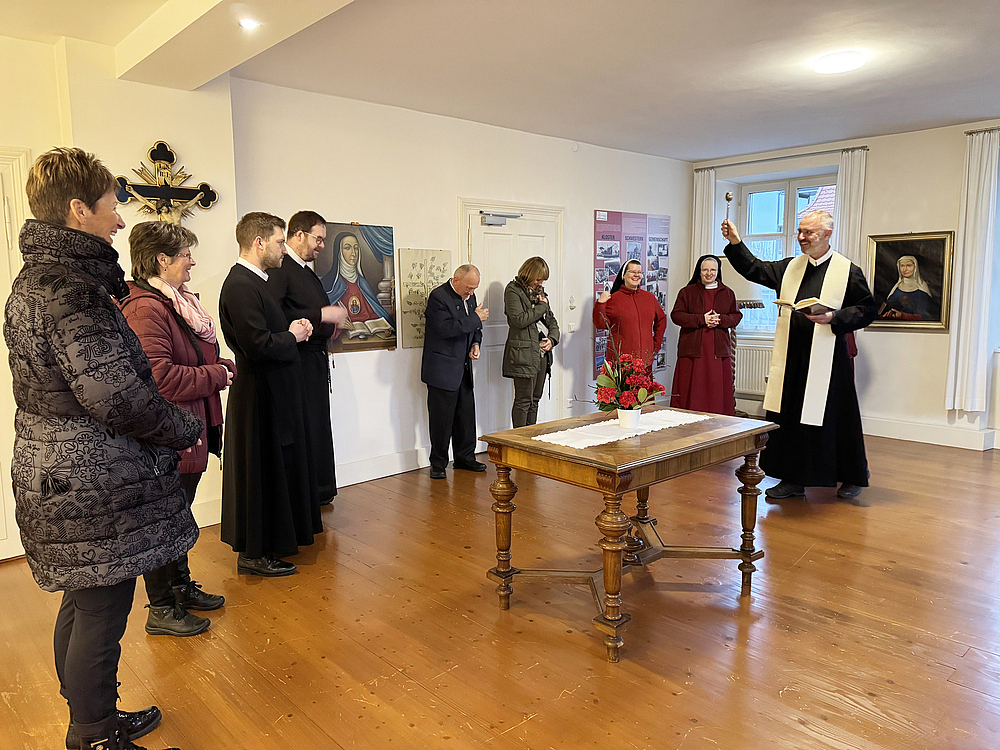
[{"x": 620, "y": 237}]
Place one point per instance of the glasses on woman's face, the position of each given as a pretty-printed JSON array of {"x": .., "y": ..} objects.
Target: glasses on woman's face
[{"x": 186, "y": 256}]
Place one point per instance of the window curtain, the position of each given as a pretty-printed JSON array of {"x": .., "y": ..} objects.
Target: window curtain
[
  {"x": 704, "y": 232},
  {"x": 850, "y": 199},
  {"x": 968, "y": 361}
]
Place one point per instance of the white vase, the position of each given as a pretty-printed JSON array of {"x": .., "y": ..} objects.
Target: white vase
[{"x": 628, "y": 419}]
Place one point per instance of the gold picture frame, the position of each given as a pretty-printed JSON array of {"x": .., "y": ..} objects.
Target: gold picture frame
[{"x": 911, "y": 279}]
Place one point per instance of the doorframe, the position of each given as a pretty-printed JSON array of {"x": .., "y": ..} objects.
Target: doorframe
[
  {"x": 14, "y": 164},
  {"x": 469, "y": 207}
]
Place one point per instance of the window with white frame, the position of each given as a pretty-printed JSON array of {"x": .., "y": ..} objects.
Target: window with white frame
[{"x": 769, "y": 220}]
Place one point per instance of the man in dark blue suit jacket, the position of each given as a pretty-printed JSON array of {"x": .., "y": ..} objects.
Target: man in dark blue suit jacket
[{"x": 454, "y": 330}]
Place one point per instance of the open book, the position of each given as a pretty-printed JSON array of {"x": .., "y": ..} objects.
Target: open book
[
  {"x": 364, "y": 329},
  {"x": 809, "y": 306}
]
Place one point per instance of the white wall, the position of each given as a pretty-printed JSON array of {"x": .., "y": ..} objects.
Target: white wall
[
  {"x": 354, "y": 161},
  {"x": 913, "y": 184},
  {"x": 66, "y": 95}
]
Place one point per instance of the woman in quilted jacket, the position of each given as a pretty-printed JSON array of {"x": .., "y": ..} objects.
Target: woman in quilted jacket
[{"x": 98, "y": 495}]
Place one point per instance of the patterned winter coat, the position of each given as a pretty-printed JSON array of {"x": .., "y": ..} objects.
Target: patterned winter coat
[{"x": 98, "y": 495}]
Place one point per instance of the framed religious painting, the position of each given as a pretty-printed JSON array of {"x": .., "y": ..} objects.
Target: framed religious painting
[
  {"x": 910, "y": 277},
  {"x": 356, "y": 266}
]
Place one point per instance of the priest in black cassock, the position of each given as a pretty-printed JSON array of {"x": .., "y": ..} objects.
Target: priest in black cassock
[
  {"x": 267, "y": 508},
  {"x": 810, "y": 388},
  {"x": 300, "y": 293}
]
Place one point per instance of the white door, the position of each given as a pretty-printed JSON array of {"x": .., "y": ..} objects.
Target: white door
[
  {"x": 498, "y": 252},
  {"x": 10, "y": 257}
]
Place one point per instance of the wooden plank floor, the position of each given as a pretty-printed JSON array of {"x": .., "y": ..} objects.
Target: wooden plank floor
[{"x": 871, "y": 626}]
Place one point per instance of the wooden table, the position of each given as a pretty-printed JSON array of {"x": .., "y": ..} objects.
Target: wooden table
[{"x": 614, "y": 469}]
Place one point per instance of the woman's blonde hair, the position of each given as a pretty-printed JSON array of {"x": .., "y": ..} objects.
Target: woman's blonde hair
[{"x": 532, "y": 271}]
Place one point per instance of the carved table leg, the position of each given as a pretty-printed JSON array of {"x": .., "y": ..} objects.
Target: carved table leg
[
  {"x": 750, "y": 474},
  {"x": 634, "y": 545},
  {"x": 503, "y": 491},
  {"x": 612, "y": 523}
]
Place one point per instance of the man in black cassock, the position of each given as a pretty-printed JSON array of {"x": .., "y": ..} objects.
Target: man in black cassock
[
  {"x": 300, "y": 294},
  {"x": 810, "y": 390},
  {"x": 267, "y": 508},
  {"x": 452, "y": 334}
]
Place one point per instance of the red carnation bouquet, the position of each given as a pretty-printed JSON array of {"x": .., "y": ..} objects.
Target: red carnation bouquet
[{"x": 625, "y": 384}]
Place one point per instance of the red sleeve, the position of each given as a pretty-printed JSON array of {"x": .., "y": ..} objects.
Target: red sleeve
[
  {"x": 681, "y": 314},
  {"x": 659, "y": 325},
  {"x": 177, "y": 383},
  {"x": 604, "y": 314},
  {"x": 730, "y": 316}
]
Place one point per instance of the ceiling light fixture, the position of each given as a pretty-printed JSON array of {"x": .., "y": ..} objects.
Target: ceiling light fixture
[
  {"x": 249, "y": 24},
  {"x": 840, "y": 62}
]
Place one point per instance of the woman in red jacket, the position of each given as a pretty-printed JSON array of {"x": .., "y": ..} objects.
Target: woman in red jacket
[
  {"x": 634, "y": 319},
  {"x": 706, "y": 311},
  {"x": 179, "y": 339}
]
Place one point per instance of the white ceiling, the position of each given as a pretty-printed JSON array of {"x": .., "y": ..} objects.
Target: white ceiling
[{"x": 687, "y": 80}]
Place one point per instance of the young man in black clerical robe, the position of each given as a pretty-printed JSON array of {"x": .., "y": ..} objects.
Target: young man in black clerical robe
[
  {"x": 267, "y": 507},
  {"x": 300, "y": 294},
  {"x": 810, "y": 389}
]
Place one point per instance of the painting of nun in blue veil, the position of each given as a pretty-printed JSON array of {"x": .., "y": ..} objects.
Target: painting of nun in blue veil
[{"x": 357, "y": 270}]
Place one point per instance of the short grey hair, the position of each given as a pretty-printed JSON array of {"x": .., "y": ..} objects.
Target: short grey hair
[
  {"x": 824, "y": 217},
  {"x": 464, "y": 270}
]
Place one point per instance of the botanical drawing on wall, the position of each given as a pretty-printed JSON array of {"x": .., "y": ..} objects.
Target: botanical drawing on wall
[
  {"x": 357, "y": 271},
  {"x": 420, "y": 273},
  {"x": 911, "y": 279}
]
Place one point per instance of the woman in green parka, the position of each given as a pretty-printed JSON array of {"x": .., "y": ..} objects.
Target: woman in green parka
[{"x": 527, "y": 356}]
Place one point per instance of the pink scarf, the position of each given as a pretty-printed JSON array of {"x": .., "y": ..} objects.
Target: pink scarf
[{"x": 188, "y": 306}]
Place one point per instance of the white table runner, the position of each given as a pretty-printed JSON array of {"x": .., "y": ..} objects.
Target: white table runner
[{"x": 608, "y": 431}]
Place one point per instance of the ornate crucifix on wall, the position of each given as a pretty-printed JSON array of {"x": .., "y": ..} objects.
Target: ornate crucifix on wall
[{"x": 161, "y": 192}]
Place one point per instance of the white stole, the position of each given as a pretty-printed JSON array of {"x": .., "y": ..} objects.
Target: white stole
[{"x": 821, "y": 352}]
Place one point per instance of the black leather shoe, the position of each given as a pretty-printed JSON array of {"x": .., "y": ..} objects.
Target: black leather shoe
[
  {"x": 117, "y": 740},
  {"x": 174, "y": 620},
  {"x": 438, "y": 473},
  {"x": 135, "y": 724},
  {"x": 784, "y": 490},
  {"x": 469, "y": 465},
  {"x": 848, "y": 491},
  {"x": 190, "y": 596},
  {"x": 267, "y": 566}
]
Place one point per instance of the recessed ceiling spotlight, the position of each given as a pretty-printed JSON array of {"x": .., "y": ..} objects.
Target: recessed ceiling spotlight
[
  {"x": 248, "y": 23},
  {"x": 840, "y": 62}
]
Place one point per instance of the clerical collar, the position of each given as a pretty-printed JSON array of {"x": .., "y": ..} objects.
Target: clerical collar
[
  {"x": 822, "y": 260},
  {"x": 247, "y": 264},
  {"x": 713, "y": 285},
  {"x": 295, "y": 256}
]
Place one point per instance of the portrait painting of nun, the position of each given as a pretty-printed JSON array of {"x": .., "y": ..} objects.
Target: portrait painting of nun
[
  {"x": 358, "y": 274},
  {"x": 911, "y": 279}
]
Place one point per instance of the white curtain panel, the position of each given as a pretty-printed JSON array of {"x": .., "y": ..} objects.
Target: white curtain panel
[
  {"x": 704, "y": 233},
  {"x": 968, "y": 371},
  {"x": 847, "y": 239}
]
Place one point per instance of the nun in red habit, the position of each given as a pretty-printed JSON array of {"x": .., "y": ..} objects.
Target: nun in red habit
[{"x": 706, "y": 312}]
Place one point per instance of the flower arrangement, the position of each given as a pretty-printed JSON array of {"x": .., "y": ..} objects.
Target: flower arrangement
[{"x": 625, "y": 384}]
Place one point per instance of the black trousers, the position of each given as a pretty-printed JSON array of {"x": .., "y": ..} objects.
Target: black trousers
[
  {"x": 452, "y": 418},
  {"x": 87, "y": 642},
  {"x": 527, "y": 391},
  {"x": 160, "y": 582}
]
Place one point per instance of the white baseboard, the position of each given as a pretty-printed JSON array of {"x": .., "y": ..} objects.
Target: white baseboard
[
  {"x": 207, "y": 512},
  {"x": 382, "y": 466},
  {"x": 954, "y": 437}
]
